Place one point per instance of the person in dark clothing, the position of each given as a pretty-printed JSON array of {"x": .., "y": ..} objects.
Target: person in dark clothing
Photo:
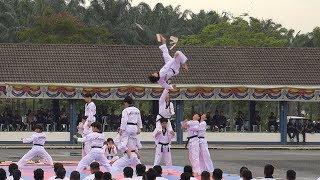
[
  {"x": 222, "y": 120},
  {"x": 291, "y": 129},
  {"x": 272, "y": 121},
  {"x": 256, "y": 119},
  {"x": 215, "y": 121},
  {"x": 17, "y": 120},
  {"x": 239, "y": 120},
  {"x": 317, "y": 127},
  {"x": 300, "y": 128}
]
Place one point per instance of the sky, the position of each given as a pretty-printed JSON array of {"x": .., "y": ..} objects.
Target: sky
[{"x": 300, "y": 15}]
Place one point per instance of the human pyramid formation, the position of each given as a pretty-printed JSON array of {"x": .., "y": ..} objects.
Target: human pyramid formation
[{"x": 97, "y": 149}]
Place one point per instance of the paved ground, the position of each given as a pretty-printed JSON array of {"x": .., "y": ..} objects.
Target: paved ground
[{"x": 305, "y": 162}]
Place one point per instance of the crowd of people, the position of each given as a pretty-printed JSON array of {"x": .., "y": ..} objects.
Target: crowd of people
[{"x": 139, "y": 173}]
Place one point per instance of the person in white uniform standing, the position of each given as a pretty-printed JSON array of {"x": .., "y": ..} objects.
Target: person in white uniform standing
[
  {"x": 89, "y": 112},
  {"x": 96, "y": 153},
  {"x": 163, "y": 140},
  {"x": 171, "y": 67},
  {"x": 205, "y": 158},
  {"x": 38, "y": 139},
  {"x": 166, "y": 110},
  {"x": 128, "y": 142}
]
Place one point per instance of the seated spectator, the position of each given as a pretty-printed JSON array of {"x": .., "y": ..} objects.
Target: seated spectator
[
  {"x": 98, "y": 175},
  {"x": 75, "y": 175},
  {"x": 241, "y": 171},
  {"x": 3, "y": 174},
  {"x": 268, "y": 172},
  {"x": 17, "y": 120},
  {"x": 222, "y": 120},
  {"x": 12, "y": 168},
  {"x": 185, "y": 176},
  {"x": 246, "y": 174},
  {"x": 272, "y": 121},
  {"x": 239, "y": 121},
  {"x": 107, "y": 176},
  {"x": 256, "y": 120},
  {"x": 291, "y": 130},
  {"x": 16, "y": 175},
  {"x": 140, "y": 171},
  {"x": 150, "y": 175},
  {"x": 56, "y": 166},
  {"x": 217, "y": 174},
  {"x": 188, "y": 169},
  {"x": 205, "y": 175},
  {"x": 215, "y": 121},
  {"x": 61, "y": 174},
  {"x": 128, "y": 173},
  {"x": 94, "y": 167},
  {"x": 291, "y": 175},
  {"x": 158, "y": 170},
  {"x": 38, "y": 174}
]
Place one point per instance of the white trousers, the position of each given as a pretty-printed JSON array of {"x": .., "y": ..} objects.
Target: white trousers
[
  {"x": 194, "y": 150},
  {"x": 165, "y": 155},
  {"x": 96, "y": 154},
  {"x": 33, "y": 152},
  {"x": 205, "y": 158},
  {"x": 125, "y": 161}
]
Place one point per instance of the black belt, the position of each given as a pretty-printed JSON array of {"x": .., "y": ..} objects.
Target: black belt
[
  {"x": 174, "y": 72},
  {"x": 164, "y": 144},
  {"x": 38, "y": 145},
  {"x": 96, "y": 147},
  {"x": 188, "y": 139},
  {"x": 200, "y": 137},
  {"x": 130, "y": 123},
  {"x": 131, "y": 151}
]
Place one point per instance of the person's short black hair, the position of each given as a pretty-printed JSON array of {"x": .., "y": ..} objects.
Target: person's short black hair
[
  {"x": 291, "y": 175},
  {"x": 162, "y": 120},
  {"x": 98, "y": 175},
  {"x": 151, "y": 174},
  {"x": 185, "y": 176},
  {"x": 246, "y": 174},
  {"x": 110, "y": 140},
  {"x": 153, "y": 78},
  {"x": 205, "y": 175},
  {"x": 16, "y": 174},
  {"x": 188, "y": 169},
  {"x": 242, "y": 169},
  {"x": 128, "y": 172},
  {"x": 95, "y": 166},
  {"x": 97, "y": 125},
  {"x": 38, "y": 174},
  {"x": 75, "y": 175},
  {"x": 106, "y": 176},
  {"x": 3, "y": 174},
  {"x": 87, "y": 95},
  {"x": 268, "y": 171},
  {"x": 12, "y": 167},
  {"x": 61, "y": 173},
  {"x": 158, "y": 170},
  {"x": 140, "y": 169},
  {"x": 38, "y": 126},
  {"x": 217, "y": 174},
  {"x": 128, "y": 100},
  {"x": 56, "y": 166}
]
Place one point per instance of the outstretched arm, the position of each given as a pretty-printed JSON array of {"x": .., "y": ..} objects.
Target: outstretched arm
[{"x": 28, "y": 140}]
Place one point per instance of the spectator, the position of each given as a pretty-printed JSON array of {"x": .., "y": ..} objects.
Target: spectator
[
  {"x": 158, "y": 171},
  {"x": 272, "y": 121},
  {"x": 310, "y": 127},
  {"x": 188, "y": 169},
  {"x": 268, "y": 171},
  {"x": 140, "y": 171},
  {"x": 217, "y": 174},
  {"x": 241, "y": 171},
  {"x": 98, "y": 175},
  {"x": 56, "y": 166},
  {"x": 291, "y": 130},
  {"x": 75, "y": 175},
  {"x": 256, "y": 120},
  {"x": 16, "y": 175},
  {"x": 215, "y": 121},
  {"x": 61, "y": 174},
  {"x": 222, "y": 121},
  {"x": 205, "y": 175},
  {"x": 150, "y": 175},
  {"x": 128, "y": 173},
  {"x": 94, "y": 167},
  {"x": 291, "y": 175},
  {"x": 299, "y": 128},
  {"x": 38, "y": 174},
  {"x": 17, "y": 120},
  {"x": 107, "y": 176},
  {"x": 246, "y": 174},
  {"x": 3, "y": 174},
  {"x": 239, "y": 121},
  {"x": 185, "y": 176},
  {"x": 12, "y": 168}
]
